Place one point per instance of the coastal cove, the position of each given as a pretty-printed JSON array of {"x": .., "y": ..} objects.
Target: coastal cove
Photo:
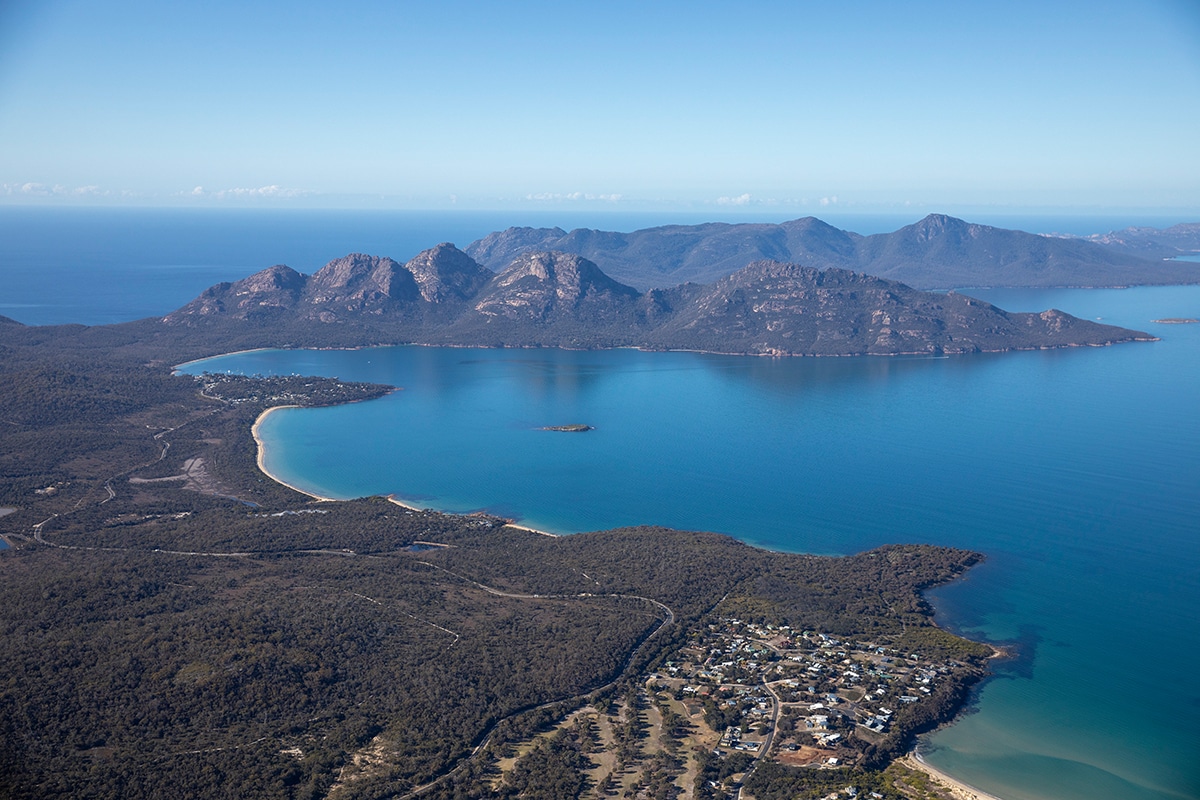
[{"x": 1074, "y": 470}]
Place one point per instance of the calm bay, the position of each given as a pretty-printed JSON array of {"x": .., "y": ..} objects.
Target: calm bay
[{"x": 1075, "y": 471}]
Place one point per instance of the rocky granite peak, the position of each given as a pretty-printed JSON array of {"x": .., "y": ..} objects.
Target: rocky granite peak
[
  {"x": 537, "y": 284},
  {"x": 360, "y": 280},
  {"x": 445, "y": 273},
  {"x": 265, "y": 292}
]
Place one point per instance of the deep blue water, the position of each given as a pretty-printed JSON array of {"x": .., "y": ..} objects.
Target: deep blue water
[{"x": 1075, "y": 471}]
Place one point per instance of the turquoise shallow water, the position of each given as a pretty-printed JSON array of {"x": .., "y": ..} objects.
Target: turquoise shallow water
[{"x": 1076, "y": 471}]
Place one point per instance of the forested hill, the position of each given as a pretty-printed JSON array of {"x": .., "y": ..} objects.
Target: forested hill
[
  {"x": 555, "y": 299},
  {"x": 938, "y": 252}
]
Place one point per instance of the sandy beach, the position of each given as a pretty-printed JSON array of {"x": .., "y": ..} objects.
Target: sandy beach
[
  {"x": 958, "y": 789},
  {"x": 527, "y": 528},
  {"x": 393, "y": 499},
  {"x": 178, "y": 367},
  {"x": 262, "y": 452}
]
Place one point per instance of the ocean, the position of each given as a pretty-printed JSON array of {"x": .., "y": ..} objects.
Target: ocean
[{"x": 1074, "y": 471}]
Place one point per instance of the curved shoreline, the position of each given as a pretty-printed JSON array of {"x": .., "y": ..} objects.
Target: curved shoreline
[
  {"x": 391, "y": 498},
  {"x": 960, "y": 790},
  {"x": 913, "y": 759},
  {"x": 940, "y": 353},
  {"x": 262, "y": 453},
  {"x": 177, "y": 367}
]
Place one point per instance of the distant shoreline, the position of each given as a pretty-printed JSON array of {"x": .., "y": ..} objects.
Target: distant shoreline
[{"x": 175, "y": 369}]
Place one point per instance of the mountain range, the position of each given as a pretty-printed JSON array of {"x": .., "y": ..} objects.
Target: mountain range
[
  {"x": 558, "y": 299},
  {"x": 1152, "y": 243},
  {"x": 938, "y": 252}
]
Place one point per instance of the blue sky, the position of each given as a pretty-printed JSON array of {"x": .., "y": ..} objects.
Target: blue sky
[{"x": 779, "y": 105}]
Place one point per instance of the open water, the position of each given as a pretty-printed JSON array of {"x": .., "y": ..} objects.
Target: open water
[{"x": 1076, "y": 471}]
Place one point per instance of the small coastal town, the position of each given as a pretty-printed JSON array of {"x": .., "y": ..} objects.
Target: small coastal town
[{"x": 741, "y": 695}]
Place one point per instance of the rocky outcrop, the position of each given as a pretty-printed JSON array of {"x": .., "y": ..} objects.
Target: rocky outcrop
[
  {"x": 358, "y": 284},
  {"x": 347, "y": 288},
  {"x": 264, "y": 293},
  {"x": 446, "y": 274},
  {"x": 540, "y": 286}
]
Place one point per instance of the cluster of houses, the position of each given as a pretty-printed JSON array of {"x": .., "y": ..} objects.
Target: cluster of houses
[
  {"x": 823, "y": 689},
  {"x": 852, "y": 793}
]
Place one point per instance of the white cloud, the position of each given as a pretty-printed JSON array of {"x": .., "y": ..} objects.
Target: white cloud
[
  {"x": 35, "y": 189},
  {"x": 829, "y": 201},
  {"x": 273, "y": 191},
  {"x": 556, "y": 197},
  {"x": 263, "y": 191},
  {"x": 740, "y": 200}
]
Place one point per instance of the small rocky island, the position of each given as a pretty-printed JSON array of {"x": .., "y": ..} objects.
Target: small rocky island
[{"x": 569, "y": 428}]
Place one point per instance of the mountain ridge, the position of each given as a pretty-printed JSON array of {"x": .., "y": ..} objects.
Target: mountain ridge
[
  {"x": 937, "y": 252},
  {"x": 557, "y": 299}
]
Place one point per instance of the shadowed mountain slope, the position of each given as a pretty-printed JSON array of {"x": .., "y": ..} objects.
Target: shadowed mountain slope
[
  {"x": 939, "y": 252},
  {"x": 785, "y": 309}
]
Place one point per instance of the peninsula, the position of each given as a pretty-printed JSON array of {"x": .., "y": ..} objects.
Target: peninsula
[
  {"x": 207, "y": 621},
  {"x": 554, "y": 299}
]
